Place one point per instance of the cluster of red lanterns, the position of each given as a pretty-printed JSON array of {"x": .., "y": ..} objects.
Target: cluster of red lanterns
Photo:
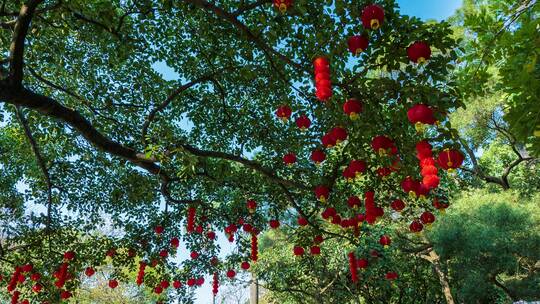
[
  {"x": 427, "y": 165},
  {"x": 191, "y": 219},
  {"x": 323, "y": 85}
]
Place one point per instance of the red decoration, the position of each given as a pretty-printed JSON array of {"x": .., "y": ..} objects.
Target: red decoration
[
  {"x": 362, "y": 263},
  {"x": 163, "y": 253},
  {"x": 140, "y": 274},
  {"x": 352, "y": 108},
  {"x": 69, "y": 255},
  {"x": 231, "y": 273},
  {"x": 274, "y": 224},
  {"x": 398, "y": 205},
  {"x": 339, "y": 134},
  {"x": 318, "y": 156},
  {"x": 113, "y": 284},
  {"x": 302, "y": 221},
  {"x": 283, "y": 5},
  {"x": 352, "y": 267},
  {"x": 328, "y": 141},
  {"x": 416, "y": 226},
  {"x": 35, "y": 277},
  {"x": 354, "y": 201},
  {"x": 158, "y": 290},
  {"x": 175, "y": 242},
  {"x": 254, "y": 248},
  {"x": 37, "y": 288},
  {"x": 439, "y": 205},
  {"x": 177, "y": 284},
  {"x": 284, "y": 112},
  {"x": 385, "y": 240},
  {"x": 391, "y": 275},
  {"x": 323, "y": 86},
  {"x": 450, "y": 159},
  {"x": 298, "y": 251},
  {"x": 357, "y": 44},
  {"x": 191, "y": 219},
  {"x": 303, "y": 122},
  {"x": 215, "y": 284},
  {"x": 251, "y": 205},
  {"x": 289, "y": 159},
  {"x": 372, "y": 17},
  {"x": 315, "y": 250},
  {"x": 245, "y": 265},
  {"x": 322, "y": 193},
  {"x": 194, "y": 255},
  {"x": 419, "y": 52},
  {"x": 427, "y": 218},
  {"x": 191, "y": 282},
  {"x": 211, "y": 235},
  {"x": 383, "y": 145},
  {"x": 420, "y": 114},
  {"x": 164, "y": 284},
  {"x": 159, "y": 230}
]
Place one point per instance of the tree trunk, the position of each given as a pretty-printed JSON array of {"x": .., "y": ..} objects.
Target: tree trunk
[
  {"x": 254, "y": 290},
  {"x": 433, "y": 258}
]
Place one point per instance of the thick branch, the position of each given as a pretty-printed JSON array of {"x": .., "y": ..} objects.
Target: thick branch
[{"x": 16, "y": 48}]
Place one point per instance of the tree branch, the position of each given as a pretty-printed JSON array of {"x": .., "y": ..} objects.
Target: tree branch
[
  {"x": 16, "y": 49},
  {"x": 249, "y": 7}
]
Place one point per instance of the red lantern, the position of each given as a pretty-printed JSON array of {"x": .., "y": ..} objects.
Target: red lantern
[
  {"x": 164, "y": 284},
  {"x": 194, "y": 255},
  {"x": 315, "y": 250},
  {"x": 450, "y": 159},
  {"x": 27, "y": 268},
  {"x": 439, "y": 205},
  {"x": 69, "y": 255},
  {"x": 163, "y": 253},
  {"x": 65, "y": 295},
  {"x": 283, "y": 5},
  {"x": 177, "y": 284},
  {"x": 422, "y": 191},
  {"x": 322, "y": 192},
  {"x": 385, "y": 241},
  {"x": 421, "y": 114},
  {"x": 354, "y": 201},
  {"x": 357, "y": 167},
  {"x": 35, "y": 277},
  {"x": 372, "y": 17},
  {"x": 215, "y": 284},
  {"x": 274, "y": 224},
  {"x": 352, "y": 108},
  {"x": 383, "y": 145},
  {"x": 357, "y": 44},
  {"x": 323, "y": 86},
  {"x": 251, "y": 205},
  {"x": 391, "y": 275},
  {"x": 410, "y": 186},
  {"x": 303, "y": 122},
  {"x": 348, "y": 174},
  {"x": 211, "y": 235},
  {"x": 159, "y": 230},
  {"x": 284, "y": 113},
  {"x": 191, "y": 220},
  {"x": 427, "y": 218},
  {"x": 416, "y": 226},
  {"x": 398, "y": 205},
  {"x": 318, "y": 156},
  {"x": 352, "y": 267},
  {"x": 339, "y": 134},
  {"x": 245, "y": 265},
  {"x": 191, "y": 282},
  {"x": 328, "y": 141},
  {"x": 298, "y": 251},
  {"x": 231, "y": 273},
  {"x": 158, "y": 290},
  {"x": 302, "y": 221},
  {"x": 37, "y": 288},
  {"x": 423, "y": 150},
  {"x": 362, "y": 263},
  {"x": 318, "y": 239},
  {"x": 289, "y": 159},
  {"x": 430, "y": 181},
  {"x": 113, "y": 284},
  {"x": 89, "y": 271},
  {"x": 175, "y": 242},
  {"x": 383, "y": 172},
  {"x": 419, "y": 52},
  {"x": 254, "y": 248}
]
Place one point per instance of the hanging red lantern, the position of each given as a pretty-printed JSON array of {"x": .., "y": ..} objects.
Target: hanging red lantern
[
  {"x": 383, "y": 172},
  {"x": 298, "y": 251},
  {"x": 315, "y": 250},
  {"x": 423, "y": 150},
  {"x": 339, "y": 134},
  {"x": 348, "y": 174},
  {"x": 416, "y": 226},
  {"x": 164, "y": 284},
  {"x": 439, "y": 205},
  {"x": 383, "y": 145},
  {"x": 450, "y": 159},
  {"x": 431, "y": 181},
  {"x": 89, "y": 271},
  {"x": 362, "y": 263},
  {"x": 69, "y": 255},
  {"x": 245, "y": 265},
  {"x": 251, "y": 205},
  {"x": 397, "y": 205},
  {"x": 352, "y": 267},
  {"x": 140, "y": 274},
  {"x": 215, "y": 284},
  {"x": 420, "y": 114},
  {"x": 177, "y": 284},
  {"x": 323, "y": 86},
  {"x": 284, "y": 112},
  {"x": 410, "y": 186},
  {"x": 158, "y": 290},
  {"x": 113, "y": 284},
  {"x": 322, "y": 193},
  {"x": 419, "y": 52},
  {"x": 37, "y": 288},
  {"x": 372, "y": 17},
  {"x": 194, "y": 255},
  {"x": 302, "y": 221},
  {"x": 159, "y": 230},
  {"x": 65, "y": 295},
  {"x": 357, "y": 167},
  {"x": 303, "y": 122},
  {"x": 357, "y": 44},
  {"x": 289, "y": 159},
  {"x": 231, "y": 274},
  {"x": 283, "y": 5},
  {"x": 191, "y": 282},
  {"x": 427, "y": 218},
  {"x": 191, "y": 219},
  {"x": 211, "y": 235},
  {"x": 247, "y": 227},
  {"x": 163, "y": 253},
  {"x": 254, "y": 247},
  {"x": 391, "y": 276},
  {"x": 318, "y": 156},
  {"x": 385, "y": 241},
  {"x": 352, "y": 108},
  {"x": 422, "y": 191},
  {"x": 354, "y": 201},
  {"x": 328, "y": 141},
  {"x": 274, "y": 224}
]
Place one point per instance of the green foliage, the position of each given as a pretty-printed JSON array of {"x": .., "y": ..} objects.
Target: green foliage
[{"x": 491, "y": 237}]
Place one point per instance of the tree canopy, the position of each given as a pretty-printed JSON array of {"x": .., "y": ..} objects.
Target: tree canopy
[{"x": 320, "y": 117}]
